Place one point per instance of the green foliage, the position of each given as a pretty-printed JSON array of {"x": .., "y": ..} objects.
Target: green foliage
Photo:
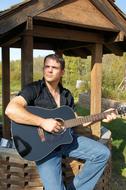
[
  {"x": 15, "y": 76},
  {"x": 114, "y": 70},
  {"x": 77, "y": 69},
  {"x": 15, "y": 71},
  {"x": 118, "y": 129},
  {"x": 37, "y": 68},
  {"x": 0, "y": 72}
]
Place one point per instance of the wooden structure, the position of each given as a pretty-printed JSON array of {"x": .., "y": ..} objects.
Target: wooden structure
[
  {"x": 73, "y": 27},
  {"x": 19, "y": 174}
]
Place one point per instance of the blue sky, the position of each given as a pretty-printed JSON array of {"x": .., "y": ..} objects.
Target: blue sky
[
  {"x": 121, "y": 4},
  {"x": 15, "y": 53},
  {"x": 4, "y": 4}
]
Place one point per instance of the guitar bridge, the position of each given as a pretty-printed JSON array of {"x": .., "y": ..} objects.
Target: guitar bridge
[{"x": 41, "y": 134}]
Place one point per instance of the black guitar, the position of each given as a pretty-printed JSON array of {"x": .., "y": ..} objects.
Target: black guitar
[{"x": 33, "y": 143}]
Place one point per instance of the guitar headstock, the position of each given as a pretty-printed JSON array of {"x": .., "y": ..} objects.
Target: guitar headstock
[{"x": 121, "y": 109}]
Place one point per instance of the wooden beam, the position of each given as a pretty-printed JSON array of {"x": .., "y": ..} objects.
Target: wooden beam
[
  {"x": 111, "y": 14},
  {"x": 11, "y": 41},
  {"x": 120, "y": 37},
  {"x": 66, "y": 34},
  {"x": 77, "y": 52},
  {"x": 96, "y": 81},
  {"x": 5, "y": 90},
  {"x": 18, "y": 16},
  {"x": 29, "y": 24},
  {"x": 116, "y": 37},
  {"x": 26, "y": 60},
  {"x": 114, "y": 49},
  {"x": 27, "y": 55},
  {"x": 43, "y": 46}
]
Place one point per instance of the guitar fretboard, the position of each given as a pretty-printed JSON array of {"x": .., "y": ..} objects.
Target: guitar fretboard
[{"x": 90, "y": 118}]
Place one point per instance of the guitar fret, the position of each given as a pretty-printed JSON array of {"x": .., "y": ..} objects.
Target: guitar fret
[
  {"x": 75, "y": 122},
  {"x": 103, "y": 115},
  {"x": 81, "y": 120},
  {"x": 87, "y": 119},
  {"x": 96, "y": 117},
  {"x": 67, "y": 123}
]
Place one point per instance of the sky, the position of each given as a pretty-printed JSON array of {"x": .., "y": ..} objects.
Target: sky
[{"x": 16, "y": 53}]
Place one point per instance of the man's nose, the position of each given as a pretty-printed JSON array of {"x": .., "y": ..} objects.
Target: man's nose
[{"x": 50, "y": 69}]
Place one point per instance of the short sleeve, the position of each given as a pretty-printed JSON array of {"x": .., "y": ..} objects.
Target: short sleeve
[{"x": 30, "y": 92}]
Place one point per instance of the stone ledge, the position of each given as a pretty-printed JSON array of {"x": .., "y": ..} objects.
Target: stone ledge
[{"x": 84, "y": 100}]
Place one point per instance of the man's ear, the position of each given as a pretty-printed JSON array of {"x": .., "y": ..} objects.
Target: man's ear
[{"x": 63, "y": 71}]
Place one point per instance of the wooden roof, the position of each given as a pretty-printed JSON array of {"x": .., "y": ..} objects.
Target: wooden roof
[
  {"x": 70, "y": 26},
  {"x": 79, "y": 13},
  {"x": 73, "y": 27}
]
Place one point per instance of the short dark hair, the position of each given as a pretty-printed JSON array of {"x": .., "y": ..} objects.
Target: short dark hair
[{"x": 57, "y": 58}]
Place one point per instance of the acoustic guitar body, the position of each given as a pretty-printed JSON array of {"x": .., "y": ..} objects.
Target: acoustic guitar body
[{"x": 29, "y": 143}]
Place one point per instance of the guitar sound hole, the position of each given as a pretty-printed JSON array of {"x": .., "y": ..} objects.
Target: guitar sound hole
[{"x": 63, "y": 129}]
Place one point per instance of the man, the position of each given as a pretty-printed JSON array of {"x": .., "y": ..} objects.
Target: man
[{"x": 49, "y": 93}]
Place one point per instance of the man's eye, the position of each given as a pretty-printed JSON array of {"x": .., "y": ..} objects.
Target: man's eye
[
  {"x": 55, "y": 67},
  {"x": 46, "y": 66}
]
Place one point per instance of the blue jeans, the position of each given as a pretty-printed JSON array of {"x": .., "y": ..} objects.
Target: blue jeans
[{"x": 92, "y": 152}]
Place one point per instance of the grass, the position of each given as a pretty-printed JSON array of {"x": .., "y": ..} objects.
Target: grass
[{"x": 118, "y": 129}]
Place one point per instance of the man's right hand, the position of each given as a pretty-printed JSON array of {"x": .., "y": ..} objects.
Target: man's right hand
[{"x": 51, "y": 125}]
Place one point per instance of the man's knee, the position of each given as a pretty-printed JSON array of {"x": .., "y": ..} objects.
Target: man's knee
[{"x": 106, "y": 153}]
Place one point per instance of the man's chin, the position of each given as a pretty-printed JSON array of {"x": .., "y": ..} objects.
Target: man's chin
[{"x": 49, "y": 80}]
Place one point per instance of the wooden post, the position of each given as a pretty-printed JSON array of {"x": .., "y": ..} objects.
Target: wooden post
[
  {"x": 96, "y": 81},
  {"x": 27, "y": 55},
  {"x": 5, "y": 90}
]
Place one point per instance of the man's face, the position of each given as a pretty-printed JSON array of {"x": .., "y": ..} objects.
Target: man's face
[{"x": 52, "y": 71}]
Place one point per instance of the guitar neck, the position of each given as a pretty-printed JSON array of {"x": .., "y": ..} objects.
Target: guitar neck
[{"x": 90, "y": 118}]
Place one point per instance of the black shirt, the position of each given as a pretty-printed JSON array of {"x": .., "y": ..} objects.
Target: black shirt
[{"x": 37, "y": 94}]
